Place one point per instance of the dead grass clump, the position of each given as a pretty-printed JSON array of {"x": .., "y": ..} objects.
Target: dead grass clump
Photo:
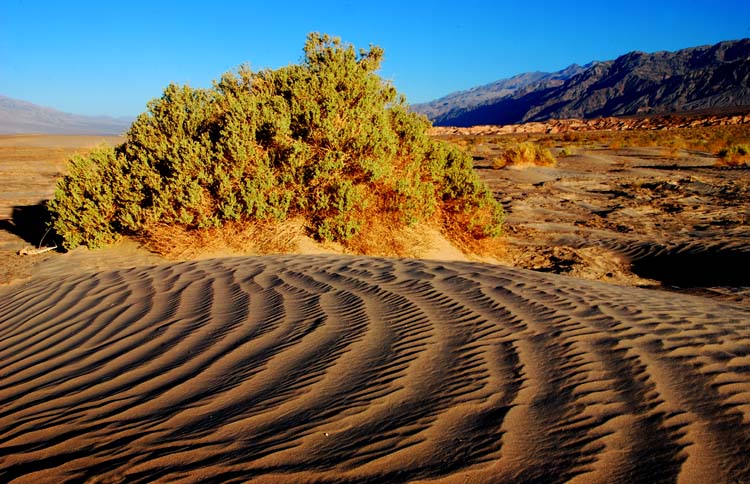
[
  {"x": 487, "y": 247},
  {"x": 525, "y": 153},
  {"x": 734, "y": 155},
  {"x": 383, "y": 234},
  {"x": 177, "y": 242}
]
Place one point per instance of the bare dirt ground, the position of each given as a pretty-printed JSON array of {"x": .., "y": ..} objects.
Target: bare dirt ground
[{"x": 642, "y": 216}]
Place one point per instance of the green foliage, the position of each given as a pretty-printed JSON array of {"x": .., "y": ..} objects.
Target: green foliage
[
  {"x": 84, "y": 203},
  {"x": 525, "y": 153},
  {"x": 326, "y": 139}
]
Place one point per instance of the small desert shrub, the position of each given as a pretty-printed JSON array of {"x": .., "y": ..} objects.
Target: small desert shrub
[
  {"x": 571, "y": 137},
  {"x": 525, "y": 153},
  {"x": 327, "y": 141},
  {"x": 566, "y": 151},
  {"x": 734, "y": 155}
]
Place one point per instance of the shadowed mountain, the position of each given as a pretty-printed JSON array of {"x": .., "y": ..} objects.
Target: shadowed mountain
[
  {"x": 707, "y": 77},
  {"x": 462, "y": 101},
  {"x": 24, "y": 117}
]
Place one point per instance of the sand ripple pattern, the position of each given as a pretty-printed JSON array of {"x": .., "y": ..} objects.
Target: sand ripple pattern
[{"x": 337, "y": 369}]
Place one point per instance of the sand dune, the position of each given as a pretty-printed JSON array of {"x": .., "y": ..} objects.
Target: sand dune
[{"x": 338, "y": 369}]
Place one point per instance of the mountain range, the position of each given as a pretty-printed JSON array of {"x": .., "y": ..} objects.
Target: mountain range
[
  {"x": 18, "y": 116},
  {"x": 697, "y": 78}
]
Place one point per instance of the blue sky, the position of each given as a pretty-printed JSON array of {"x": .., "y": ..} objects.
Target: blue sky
[{"x": 112, "y": 57}]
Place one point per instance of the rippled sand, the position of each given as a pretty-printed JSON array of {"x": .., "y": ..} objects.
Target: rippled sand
[{"x": 353, "y": 369}]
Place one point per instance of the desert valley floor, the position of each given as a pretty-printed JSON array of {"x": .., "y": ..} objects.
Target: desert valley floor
[{"x": 623, "y": 356}]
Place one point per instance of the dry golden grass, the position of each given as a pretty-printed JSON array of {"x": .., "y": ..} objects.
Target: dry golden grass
[
  {"x": 382, "y": 236},
  {"x": 179, "y": 243},
  {"x": 385, "y": 235},
  {"x": 488, "y": 247},
  {"x": 525, "y": 153}
]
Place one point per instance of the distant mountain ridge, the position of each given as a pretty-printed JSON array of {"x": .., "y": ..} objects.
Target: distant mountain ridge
[
  {"x": 716, "y": 76},
  {"x": 18, "y": 116}
]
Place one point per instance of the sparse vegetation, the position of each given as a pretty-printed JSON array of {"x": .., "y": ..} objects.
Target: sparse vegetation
[
  {"x": 525, "y": 153},
  {"x": 673, "y": 143},
  {"x": 566, "y": 151},
  {"x": 734, "y": 155},
  {"x": 326, "y": 140},
  {"x": 707, "y": 139}
]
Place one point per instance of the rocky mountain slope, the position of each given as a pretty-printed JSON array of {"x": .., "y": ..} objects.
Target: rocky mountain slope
[
  {"x": 706, "y": 77},
  {"x": 641, "y": 122},
  {"x": 18, "y": 116}
]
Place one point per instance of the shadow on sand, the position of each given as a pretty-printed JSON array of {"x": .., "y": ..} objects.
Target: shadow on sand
[
  {"x": 31, "y": 223},
  {"x": 697, "y": 267}
]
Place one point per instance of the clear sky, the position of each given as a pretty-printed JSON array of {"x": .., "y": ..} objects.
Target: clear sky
[{"x": 111, "y": 57}]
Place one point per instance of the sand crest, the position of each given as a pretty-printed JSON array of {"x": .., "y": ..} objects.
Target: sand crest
[{"x": 352, "y": 369}]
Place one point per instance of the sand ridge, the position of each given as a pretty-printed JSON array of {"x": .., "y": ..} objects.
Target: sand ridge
[{"x": 330, "y": 368}]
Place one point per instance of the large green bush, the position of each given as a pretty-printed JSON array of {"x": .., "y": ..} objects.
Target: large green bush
[{"x": 328, "y": 140}]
